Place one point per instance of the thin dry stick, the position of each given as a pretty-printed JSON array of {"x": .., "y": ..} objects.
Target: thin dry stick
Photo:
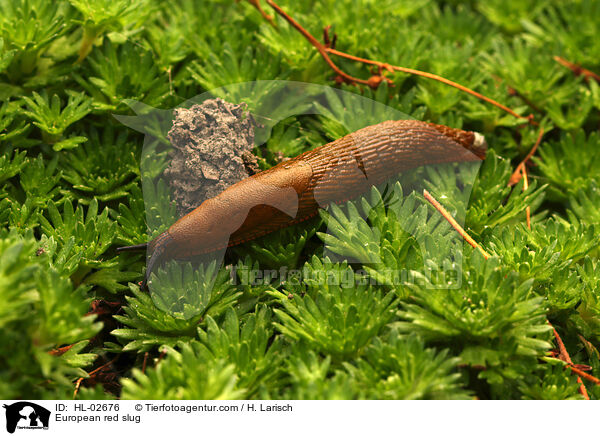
[
  {"x": 77, "y": 385},
  {"x": 521, "y": 171},
  {"x": 517, "y": 174},
  {"x": 454, "y": 224},
  {"x": 578, "y": 70},
  {"x": 564, "y": 355},
  {"x": 525, "y": 187},
  {"x": 433, "y": 77},
  {"x": 320, "y": 47},
  {"x": 163, "y": 353},
  {"x": 80, "y": 379},
  {"x": 145, "y": 362},
  {"x": 376, "y": 80},
  {"x": 60, "y": 351},
  {"x": 256, "y": 4},
  {"x": 583, "y": 374}
]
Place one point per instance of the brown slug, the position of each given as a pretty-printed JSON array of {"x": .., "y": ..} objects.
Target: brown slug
[{"x": 294, "y": 190}]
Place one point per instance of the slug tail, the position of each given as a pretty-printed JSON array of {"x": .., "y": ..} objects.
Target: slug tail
[
  {"x": 472, "y": 141},
  {"x": 479, "y": 145}
]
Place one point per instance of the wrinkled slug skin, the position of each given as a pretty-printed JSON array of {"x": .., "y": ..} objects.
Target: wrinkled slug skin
[{"x": 294, "y": 190}]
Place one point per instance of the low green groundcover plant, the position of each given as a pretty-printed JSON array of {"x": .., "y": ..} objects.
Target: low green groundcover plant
[{"x": 72, "y": 312}]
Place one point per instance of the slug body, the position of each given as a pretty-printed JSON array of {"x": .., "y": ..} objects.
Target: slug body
[{"x": 294, "y": 190}]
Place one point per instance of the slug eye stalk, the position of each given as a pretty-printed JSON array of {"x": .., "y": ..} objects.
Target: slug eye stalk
[
  {"x": 157, "y": 246},
  {"x": 139, "y": 247}
]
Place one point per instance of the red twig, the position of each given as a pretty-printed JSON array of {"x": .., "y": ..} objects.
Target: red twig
[
  {"x": 433, "y": 77},
  {"x": 161, "y": 356},
  {"x": 517, "y": 174},
  {"x": 525, "y": 187},
  {"x": 145, "y": 362},
  {"x": 329, "y": 43},
  {"x": 454, "y": 224},
  {"x": 584, "y": 374},
  {"x": 375, "y": 80},
  {"x": 521, "y": 172},
  {"x": 60, "y": 351},
  {"x": 100, "y": 368},
  {"x": 564, "y": 355},
  {"x": 91, "y": 373},
  {"x": 256, "y": 4},
  {"x": 578, "y": 70},
  {"x": 320, "y": 47},
  {"x": 77, "y": 386}
]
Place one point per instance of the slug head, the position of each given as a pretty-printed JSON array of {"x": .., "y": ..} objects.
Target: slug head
[{"x": 158, "y": 248}]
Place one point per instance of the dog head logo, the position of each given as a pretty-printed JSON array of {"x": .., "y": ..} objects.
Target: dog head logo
[{"x": 26, "y": 415}]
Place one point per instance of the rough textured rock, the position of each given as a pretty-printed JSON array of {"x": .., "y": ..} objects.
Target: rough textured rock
[{"x": 212, "y": 149}]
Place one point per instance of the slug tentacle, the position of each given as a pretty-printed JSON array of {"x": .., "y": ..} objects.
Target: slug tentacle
[
  {"x": 159, "y": 246},
  {"x": 138, "y": 247}
]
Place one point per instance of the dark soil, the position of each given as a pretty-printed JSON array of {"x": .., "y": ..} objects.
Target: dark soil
[{"x": 212, "y": 149}]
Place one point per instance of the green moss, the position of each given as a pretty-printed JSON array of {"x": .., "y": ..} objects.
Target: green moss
[{"x": 71, "y": 191}]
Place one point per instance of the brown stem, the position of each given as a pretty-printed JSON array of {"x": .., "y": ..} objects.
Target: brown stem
[
  {"x": 433, "y": 77},
  {"x": 454, "y": 224},
  {"x": 145, "y": 362},
  {"x": 525, "y": 186},
  {"x": 256, "y": 4},
  {"x": 91, "y": 373},
  {"x": 320, "y": 47},
  {"x": 77, "y": 386},
  {"x": 578, "y": 70},
  {"x": 521, "y": 171},
  {"x": 583, "y": 374},
  {"x": 60, "y": 351},
  {"x": 517, "y": 174},
  {"x": 564, "y": 356}
]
